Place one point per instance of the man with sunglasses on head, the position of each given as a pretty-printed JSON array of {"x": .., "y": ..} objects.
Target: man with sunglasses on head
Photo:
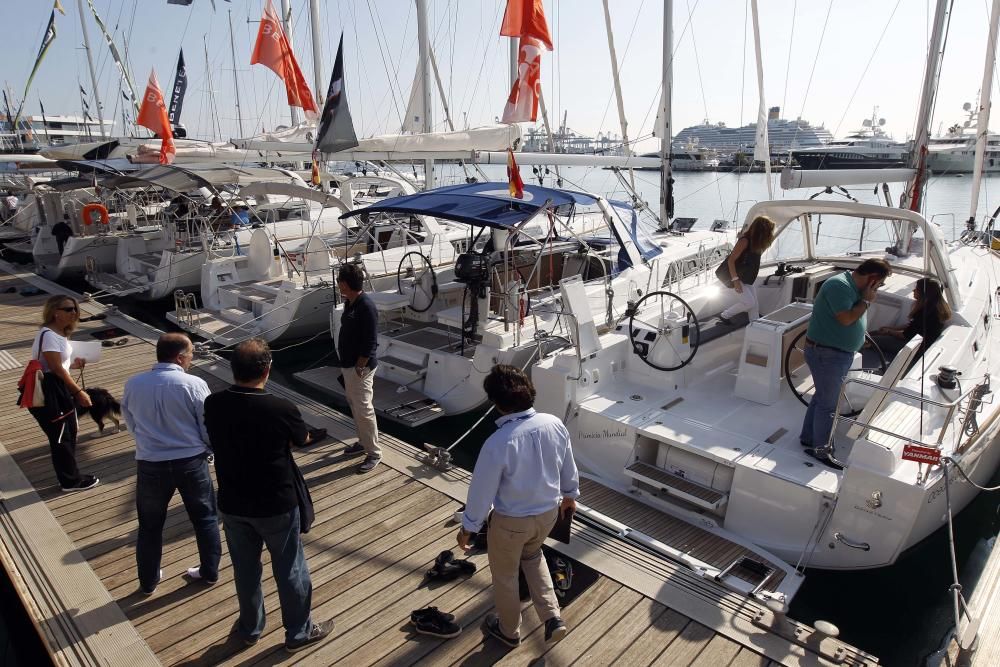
[{"x": 836, "y": 332}]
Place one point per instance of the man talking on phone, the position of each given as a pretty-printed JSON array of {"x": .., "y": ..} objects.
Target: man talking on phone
[
  {"x": 836, "y": 331},
  {"x": 357, "y": 344},
  {"x": 526, "y": 472}
]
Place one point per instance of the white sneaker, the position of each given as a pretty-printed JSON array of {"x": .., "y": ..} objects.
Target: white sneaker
[{"x": 195, "y": 573}]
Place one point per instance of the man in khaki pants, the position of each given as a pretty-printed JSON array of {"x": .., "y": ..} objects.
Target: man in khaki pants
[
  {"x": 357, "y": 343},
  {"x": 527, "y": 473}
]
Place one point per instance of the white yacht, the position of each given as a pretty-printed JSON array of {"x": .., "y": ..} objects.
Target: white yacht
[
  {"x": 867, "y": 148},
  {"x": 676, "y": 411},
  {"x": 506, "y": 299},
  {"x": 955, "y": 152}
]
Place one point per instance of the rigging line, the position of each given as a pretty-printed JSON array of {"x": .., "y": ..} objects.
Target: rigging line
[
  {"x": 788, "y": 64},
  {"x": 385, "y": 65},
  {"x": 482, "y": 65},
  {"x": 697, "y": 61},
  {"x": 743, "y": 81},
  {"x": 867, "y": 66},
  {"x": 805, "y": 97}
]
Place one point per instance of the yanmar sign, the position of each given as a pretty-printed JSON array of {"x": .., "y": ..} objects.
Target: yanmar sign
[{"x": 920, "y": 454}]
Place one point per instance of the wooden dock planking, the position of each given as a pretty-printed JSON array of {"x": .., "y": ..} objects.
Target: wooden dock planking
[{"x": 374, "y": 537}]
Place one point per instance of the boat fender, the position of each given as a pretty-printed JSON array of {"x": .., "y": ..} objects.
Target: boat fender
[{"x": 87, "y": 210}]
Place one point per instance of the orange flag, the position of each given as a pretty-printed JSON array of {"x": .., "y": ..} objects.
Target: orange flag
[
  {"x": 526, "y": 18},
  {"x": 153, "y": 115},
  {"x": 522, "y": 104},
  {"x": 515, "y": 184},
  {"x": 274, "y": 52}
]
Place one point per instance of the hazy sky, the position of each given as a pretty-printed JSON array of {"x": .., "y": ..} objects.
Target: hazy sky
[{"x": 872, "y": 54}]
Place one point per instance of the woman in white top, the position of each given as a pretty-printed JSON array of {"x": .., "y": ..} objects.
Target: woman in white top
[{"x": 57, "y": 417}]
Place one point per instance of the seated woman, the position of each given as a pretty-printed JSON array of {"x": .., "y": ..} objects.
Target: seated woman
[
  {"x": 928, "y": 317},
  {"x": 739, "y": 271}
]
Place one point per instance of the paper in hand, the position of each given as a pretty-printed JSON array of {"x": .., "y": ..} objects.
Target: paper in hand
[{"x": 90, "y": 351}]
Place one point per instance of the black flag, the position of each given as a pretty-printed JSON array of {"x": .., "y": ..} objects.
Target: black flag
[
  {"x": 336, "y": 129},
  {"x": 177, "y": 94}
]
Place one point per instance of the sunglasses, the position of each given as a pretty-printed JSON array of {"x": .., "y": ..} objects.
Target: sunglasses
[{"x": 69, "y": 309}]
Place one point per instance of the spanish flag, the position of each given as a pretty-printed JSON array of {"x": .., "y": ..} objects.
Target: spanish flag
[{"x": 515, "y": 184}]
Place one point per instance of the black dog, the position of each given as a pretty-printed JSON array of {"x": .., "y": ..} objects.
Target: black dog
[{"x": 103, "y": 406}]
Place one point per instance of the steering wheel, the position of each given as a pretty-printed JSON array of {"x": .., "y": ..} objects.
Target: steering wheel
[
  {"x": 799, "y": 378},
  {"x": 423, "y": 287},
  {"x": 661, "y": 305}
]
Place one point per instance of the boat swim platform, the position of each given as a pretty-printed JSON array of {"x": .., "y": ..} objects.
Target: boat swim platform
[{"x": 71, "y": 556}]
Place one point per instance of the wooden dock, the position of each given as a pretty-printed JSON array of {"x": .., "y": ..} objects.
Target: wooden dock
[{"x": 71, "y": 557}]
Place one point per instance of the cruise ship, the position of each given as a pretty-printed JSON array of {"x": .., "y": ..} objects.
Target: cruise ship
[{"x": 783, "y": 135}]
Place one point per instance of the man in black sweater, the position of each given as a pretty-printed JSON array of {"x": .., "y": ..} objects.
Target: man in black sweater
[
  {"x": 357, "y": 344},
  {"x": 252, "y": 432}
]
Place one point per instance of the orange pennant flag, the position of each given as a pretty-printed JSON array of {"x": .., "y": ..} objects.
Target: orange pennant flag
[
  {"x": 274, "y": 52},
  {"x": 515, "y": 184},
  {"x": 526, "y": 18},
  {"x": 522, "y": 104},
  {"x": 153, "y": 115}
]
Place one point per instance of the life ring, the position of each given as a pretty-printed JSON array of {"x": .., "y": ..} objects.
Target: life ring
[{"x": 90, "y": 208}]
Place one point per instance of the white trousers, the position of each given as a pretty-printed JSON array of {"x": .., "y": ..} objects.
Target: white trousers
[{"x": 747, "y": 303}]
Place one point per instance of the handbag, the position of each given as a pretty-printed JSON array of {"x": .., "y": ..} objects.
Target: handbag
[
  {"x": 722, "y": 273},
  {"x": 306, "y": 512},
  {"x": 30, "y": 385}
]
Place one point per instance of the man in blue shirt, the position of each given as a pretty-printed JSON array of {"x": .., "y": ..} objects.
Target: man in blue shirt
[
  {"x": 164, "y": 409},
  {"x": 836, "y": 331},
  {"x": 526, "y": 472}
]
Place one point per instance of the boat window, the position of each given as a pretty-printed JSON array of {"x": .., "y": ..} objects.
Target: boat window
[{"x": 788, "y": 245}]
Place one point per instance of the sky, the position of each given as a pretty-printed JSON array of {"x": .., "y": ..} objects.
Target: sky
[{"x": 830, "y": 62}]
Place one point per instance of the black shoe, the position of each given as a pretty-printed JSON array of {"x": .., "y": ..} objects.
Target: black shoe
[
  {"x": 368, "y": 464},
  {"x": 430, "y": 611},
  {"x": 436, "y": 624},
  {"x": 318, "y": 633},
  {"x": 354, "y": 450},
  {"x": 152, "y": 589},
  {"x": 725, "y": 320},
  {"x": 555, "y": 629},
  {"x": 316, "y": 435},
  {"x": 493, "y": 628},
  {"x": 823, "y": 456},
  {"x": 247, "y": 640},
  {"x": 86, "y": 482}
]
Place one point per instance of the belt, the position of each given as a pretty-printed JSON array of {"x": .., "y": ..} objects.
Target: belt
[{"x": 812, "y": 343}]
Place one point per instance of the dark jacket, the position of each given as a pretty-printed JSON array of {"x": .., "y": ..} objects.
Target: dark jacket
[
  {"x": 358, "y": 332},
  {"x": 251, "y": 432}
]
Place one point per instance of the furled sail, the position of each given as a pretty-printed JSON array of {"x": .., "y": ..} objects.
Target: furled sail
[{"x": 122, "y": 69}]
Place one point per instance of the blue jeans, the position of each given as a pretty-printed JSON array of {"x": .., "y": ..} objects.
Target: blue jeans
[
  {"x": 246, "y": 537},
  {"x": 829, "y": 368},
  {"x": 156, "y": 482}
]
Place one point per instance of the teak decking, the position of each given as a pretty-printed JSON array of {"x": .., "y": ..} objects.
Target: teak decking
[{"x": 71, "y": 557}]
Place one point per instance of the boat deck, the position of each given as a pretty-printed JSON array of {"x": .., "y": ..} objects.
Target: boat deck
[{"x": 71, "y": 557}]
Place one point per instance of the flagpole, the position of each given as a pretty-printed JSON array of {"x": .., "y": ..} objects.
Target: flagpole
[
  {"x": 286, "y": 22},
  {"x": 93, "y": 73},
  {"x": 236, "y": 80},
  {"x": 423, "y": 37}
]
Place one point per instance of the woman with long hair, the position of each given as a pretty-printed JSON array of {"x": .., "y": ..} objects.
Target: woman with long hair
[
  {"x": 928, "y": 317},
  {"x": 54, "y": 351},
  {"x": 740, "y": 269}
]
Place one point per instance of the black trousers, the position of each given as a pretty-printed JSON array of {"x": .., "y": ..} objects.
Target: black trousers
[{"x": 62, "y": 444}]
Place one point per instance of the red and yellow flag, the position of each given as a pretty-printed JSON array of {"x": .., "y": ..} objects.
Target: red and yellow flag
[
  {"x": 526, "y": 18},
  {"x": 273, "y": 50},
  {"x": 153, "y": 115},
  {"x": 522, "y": 103},
  {"x": 515, "y": 184}
]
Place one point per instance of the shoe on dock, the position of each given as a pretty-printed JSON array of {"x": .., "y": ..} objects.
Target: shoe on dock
[
  {"x": 317, "y": 634},
  {"x": 368, "y": 464},
  {"x": 555, "y": 629},
  {"x": 195, "y": 573},
  {"x": 492, "y": 625},
  {"x": 86, "y": 482},
  {"x": 354, "y": 450}
]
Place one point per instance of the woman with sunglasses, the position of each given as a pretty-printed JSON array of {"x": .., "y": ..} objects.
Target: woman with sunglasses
[{"x": 54, "y": 351}]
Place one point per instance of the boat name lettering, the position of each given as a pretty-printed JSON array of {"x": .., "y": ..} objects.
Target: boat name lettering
[
  {"x": 872, "y": 512},
  {"x": 604, "y": 433}
]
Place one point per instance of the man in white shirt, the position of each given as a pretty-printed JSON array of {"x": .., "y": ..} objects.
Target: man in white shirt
[{"x": 526, "y": 472}]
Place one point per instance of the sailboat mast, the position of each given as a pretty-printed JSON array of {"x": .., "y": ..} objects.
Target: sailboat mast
[
  {"x": 666, "y": 179},
  {"x": 423, "y": 37},
  {"x": 214, "y": 110},
  {"x": 90, "y": 63},
  {"x": 236, "y": 79},
  {"x": 918, "y": 153},
  {"x": 626, "y": 150},
  {"x": 317, "y": 44},
  {"x": 983, "y": 115},
  {"x": 286, "y": 22}
]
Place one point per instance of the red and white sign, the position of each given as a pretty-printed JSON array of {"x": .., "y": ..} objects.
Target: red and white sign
[{"x": 920, "y": 454}]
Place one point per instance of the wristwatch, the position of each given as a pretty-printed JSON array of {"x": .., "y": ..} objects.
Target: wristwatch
[{"x": 868, "y": 304}]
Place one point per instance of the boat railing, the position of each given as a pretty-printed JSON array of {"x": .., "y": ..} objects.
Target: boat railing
[
  {"x": 186, "y": 307},
  {"x": 972, "y": 398}
]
